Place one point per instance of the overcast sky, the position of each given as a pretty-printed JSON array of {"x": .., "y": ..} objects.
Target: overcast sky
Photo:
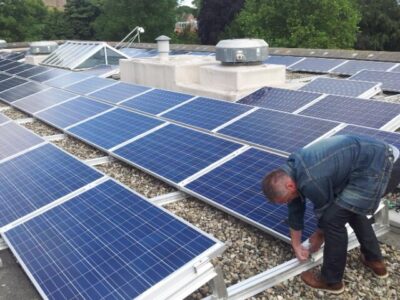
[{"x": 187, "y": 2}]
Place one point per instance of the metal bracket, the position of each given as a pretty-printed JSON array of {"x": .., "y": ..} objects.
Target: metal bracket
[
  {"x": 24, "y": 121},
  {"x": 54, "y": 137},
  {"x": 168, "y": 198},
  {"x": 99, "y": 160},
  {"x": 218, "y": 286}
]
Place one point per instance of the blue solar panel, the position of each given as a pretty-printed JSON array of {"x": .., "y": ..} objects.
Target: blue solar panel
[
  {"x": 53, "y": 73},
  {"x": 21, "y": 91},
  {"x": 397, "y": 69},
  {"x": 71, "y": 112},
  {"x": 4, "y": 77},
  {"x": 42, "y": 100},
  {"x": 341, "y": 87},
  {"x": 119, "y": 92},
  {"x": 278, "y": 130},
  {"x": 317, "y": 65},
  {"x": 20, "y": 68},
  {"x": 107, "y": 243},
  {"x": 3, "y": 119},
  {"x": 5, "y": 62},
  {"x": 14, "y": 139},
  {"x": 236, "y": 186},
  {"x": 113, "y": 128},
  {"x": 282, "y": 60},
  {"x": 37, "y": 178},
  {"x": 33, "y": 71},
  {"x": 356, "y": 111},
  {"x": 206, "y": 113},
  {"x": 67, "y": 79},
  {"x": 175, "y": 152},
  {"x": 156, "y": 101},
  {"x": 10, "y": 65},
  {"x": 389, "y": 137},
  {"x": 279, "y": 99},
  {"x": 90, "y": 85},
  {"x": 10, "y": 83},
  {"x": 353, "y": 66},
  {"x": 390, "y": 80}
]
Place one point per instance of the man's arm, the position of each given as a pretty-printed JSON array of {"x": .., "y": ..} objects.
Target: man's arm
[{"x": 301, "y": 252}]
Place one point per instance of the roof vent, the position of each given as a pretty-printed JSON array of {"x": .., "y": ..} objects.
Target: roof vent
[
  {"x": 43, "y": 47},
  {"x": 242, "y": 51},
  {"x": 3, "y": 44}
]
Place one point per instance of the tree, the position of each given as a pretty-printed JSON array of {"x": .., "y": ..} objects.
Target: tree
[
  {"x": 379, "y": 26},
  {"x": 22, "y": 20},
  {"x": 214, "y": 16},
  {"x": 56, "y": 26},
  {"x": 80, "y": 14},
  {"x": 119, "y": 17},
  {"x": 298, "y": 23}
]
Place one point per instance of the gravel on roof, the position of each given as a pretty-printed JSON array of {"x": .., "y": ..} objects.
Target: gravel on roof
[
  {"x": 15, "y": 114},
  {"x": 41, "y": 128},
  {"x": 78, "y": 148}
]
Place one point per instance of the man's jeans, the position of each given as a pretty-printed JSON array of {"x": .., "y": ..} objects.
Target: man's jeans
[{"x": 333, "y": 223}]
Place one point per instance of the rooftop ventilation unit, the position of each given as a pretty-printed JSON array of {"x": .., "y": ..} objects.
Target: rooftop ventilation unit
[
  {"x": 242, "y": 51},
  {"x": 3, "y": 44},
  {"x": 43, "y": 47}
]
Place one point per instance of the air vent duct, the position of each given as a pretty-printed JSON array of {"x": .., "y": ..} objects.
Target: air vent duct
[
  {"x": 3, "y": 44},
  {"x": 43, "y": 47},
  {"x": 242, "y": 51}
]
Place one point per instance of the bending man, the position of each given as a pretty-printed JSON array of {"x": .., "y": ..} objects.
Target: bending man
[{"x": 344, "y": 177}]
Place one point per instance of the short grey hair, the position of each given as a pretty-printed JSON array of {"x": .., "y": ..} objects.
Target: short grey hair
[{"x": 273, "y": 185}]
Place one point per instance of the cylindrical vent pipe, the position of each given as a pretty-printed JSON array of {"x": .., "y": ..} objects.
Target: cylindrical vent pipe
[{"x": 163, "y": 47}]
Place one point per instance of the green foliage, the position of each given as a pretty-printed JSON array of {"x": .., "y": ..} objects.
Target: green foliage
[
  {"x": 56, "y": 26},
  {"x": 119, "y": 17},
  {"x": 298, "y": 23},
  {"x": 22, "y": 20},
  {"x": 379, "y": 26},
  {"x": 80, "y": 14},
  {"x": 183, "y": 10},
  {"x": 185, "y": 37}
]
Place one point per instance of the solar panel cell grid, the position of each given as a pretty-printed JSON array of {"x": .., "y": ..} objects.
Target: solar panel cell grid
[
  {"x": 317, "y": 65},
  {"x": 235, "y": 185},
  {"x": 10, "y": 65},
  {"x": 10, "y": 83},
  {"x": 14, "y": 139},
  {"x": 206, "y": 113},
  {"x": 53, "y": 73},
  {"x": 356, "y": 111},
  {"x": 4, "y": 77},
  {"x": 113, "y": 128},
  {"x": 278, "y": 130},
  {"x": 390, "y": 80},
  {"x": 20, "y": 68},
  {"x": 33, "y": 71},
  {"x": 353, "y": 66},
  {"x": 118, "y": 92},
  {"x": 21, "y": 91},
  {"x": 175, "y": 152},
  {"x": 282, "y": 60},
  {"x": 156, "y": 101},
  {"x": 279, "y": 99},
  {"x": 106, "y": 243},
  {"x": 90, "y": 85},
  {"x": 37, "y": 178},
  {"x": 67, "y": 79},
  {"x": 71, "y": 112}
]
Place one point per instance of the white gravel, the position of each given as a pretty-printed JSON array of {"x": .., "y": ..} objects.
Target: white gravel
[
  {"x": 78, "y": 148},
  {"x": 41, "y": 128},
  {"x": 15, "y": 114}
]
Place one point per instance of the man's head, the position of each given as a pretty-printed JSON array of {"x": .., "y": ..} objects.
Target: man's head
[{"x": 279, "y": 187}]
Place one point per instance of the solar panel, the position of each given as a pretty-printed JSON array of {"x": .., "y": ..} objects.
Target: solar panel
[
  {"x": 175, "y": 153},
  {"x": 67, "y": 79},
  {"x": 14, "y": 139},
  {"x": 279, "y": 99},
  {"x": 10, "y": 65},
  {"x": 3, "y": 119},
  {"x": 390, "y": 80},
  {"x": 235, "y": 186},
  {"x": 4, "y": 77},
  {"x": 90, "y": 85},
  {"x": 53, "y": 73},
  {"x": 21, "y": 91},
  {"x": 71, "y": 112},
  {"x": 10, "y": 83},
  {"x": 5, "y": 62},
  {"x": 317, "y": 65},
  {"x": 37, "y": 178},
  {"x": 107, "y": 243},
  {"x": 278, "y": 130},
  {"x": 397, "y": 69},
  {"x": 341, "y": 87},
  {"x": 36, "y": 70},
  {"x": 282, "y": 60},
  {"x": 42, "y": 100},
  {"x": 356, "y": 111},
  {"x": 113, "y": 128},
  {"x": 389, "y": 137},
  {"x": 119, "y": 92},
  {"x": 20, "y": 68},
  {"x": 206, "y": 113},
  {"x": 351, "y": 67},
  {"x": 156, "y": 101}
]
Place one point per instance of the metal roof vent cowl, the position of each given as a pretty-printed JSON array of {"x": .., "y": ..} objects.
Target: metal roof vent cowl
[
  {"x": 43, "y": 47},
  {"x": 3, "y": 44},
  {"x": 242, "y": 51},
  {"x": 163, "y": 47}
]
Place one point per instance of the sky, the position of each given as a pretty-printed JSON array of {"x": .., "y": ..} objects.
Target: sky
[{"x": 187, "y": 2}]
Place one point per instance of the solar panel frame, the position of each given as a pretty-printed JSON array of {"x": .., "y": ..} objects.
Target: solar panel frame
[
  {"x": 280, "y": 99},
  {"x": 351, "y": 67},
  {"x": 145, "y": 152},
  {"x": 316, "y": 65},
  {"x": 67, "y": 79},
  {"x": 397, "y": 69},
  {"x": 343, "y": 87},
  {"x": 21, "y": 91},
  {"x": 118, "y": 92},
  {"x": 357, "y": 111},
  {"x": 10, "y": 83},
  {"x": 90, "y": 85},
  {"x": 129, "y": 250},
  {"x": 277, "y": 131},
  {"x": 286, "y": 60},
  {"x": 72, "y": 112},
  {"x": 390, "y": 80}
]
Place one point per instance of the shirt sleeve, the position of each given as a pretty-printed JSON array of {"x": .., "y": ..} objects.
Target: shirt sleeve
[{"x": 296, "y": 209}]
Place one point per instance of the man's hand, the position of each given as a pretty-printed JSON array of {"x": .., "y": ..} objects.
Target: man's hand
[
  {"x": 316, "y": 240},
  {"x": 302, "y": 253}
]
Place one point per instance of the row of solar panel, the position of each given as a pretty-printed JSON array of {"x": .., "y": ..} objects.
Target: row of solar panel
[{"x": 105, "y": 241}]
